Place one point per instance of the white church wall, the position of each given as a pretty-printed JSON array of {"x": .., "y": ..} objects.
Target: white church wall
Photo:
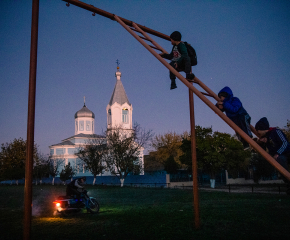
[{"x": 116, "y": 115}]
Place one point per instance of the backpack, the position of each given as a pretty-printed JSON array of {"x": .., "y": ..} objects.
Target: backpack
[{"x": 191, "y": 53}]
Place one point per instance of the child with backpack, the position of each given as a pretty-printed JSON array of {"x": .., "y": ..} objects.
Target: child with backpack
[
  {"x": 234, "y": 110},
  {"x": 179, "y": 57}
]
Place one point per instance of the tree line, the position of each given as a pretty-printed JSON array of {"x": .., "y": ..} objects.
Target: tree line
[
  {"x": 118, "y": 151},
  {"x": 215, "y": 151}
]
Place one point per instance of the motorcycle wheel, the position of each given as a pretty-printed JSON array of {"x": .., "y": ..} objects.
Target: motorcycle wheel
[{"x": 94, "y": 206}]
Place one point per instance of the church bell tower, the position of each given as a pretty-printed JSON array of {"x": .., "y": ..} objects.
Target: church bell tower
[{"x": 119, "y": 109}]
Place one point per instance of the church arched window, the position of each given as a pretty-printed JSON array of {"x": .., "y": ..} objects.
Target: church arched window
[
  {"x": 88, "y": 125},
  {"x": 109, "y": 116},
  {"x": 81, "y": 125},
  {"x": 125, "y": 117}
]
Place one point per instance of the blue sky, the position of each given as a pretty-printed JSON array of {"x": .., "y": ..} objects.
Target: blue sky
[{"x": 240, "y": 44}]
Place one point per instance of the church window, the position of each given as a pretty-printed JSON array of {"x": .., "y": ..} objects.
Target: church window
[
  {"x": 92, "y": 125},
  {"x": 88, "y": 127},
  {"x": 71, "y": 151},
  {"x": 51, "y": 152},
  {"x": 109, "y": 117},
  {"x": 81, "y": 125},
  {"x": 76, "y": 125},
  {"x": 125, "y": 118},
  {"x": 59, "y": 151}
]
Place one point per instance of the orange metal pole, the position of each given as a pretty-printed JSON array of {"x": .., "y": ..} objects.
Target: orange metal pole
[
  {"x": 270, "y": 159},
  {"x": 30, "y": 122},
  {"x": 194, "y": 161}
]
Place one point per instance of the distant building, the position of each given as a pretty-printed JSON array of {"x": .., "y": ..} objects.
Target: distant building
[{"x": 119, "y": 113}]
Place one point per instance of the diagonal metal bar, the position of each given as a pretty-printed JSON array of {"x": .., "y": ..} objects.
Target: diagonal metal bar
[
  {"x": 111, "y": 16},
  {"x": 148, "y": 37},
  {"x": 206, "y": 94},
  {"x": 270, "y": 159},
  {"x": 145, "y": 29}
]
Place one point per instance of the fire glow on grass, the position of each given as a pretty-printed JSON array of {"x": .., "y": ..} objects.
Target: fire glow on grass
[{"x": 54, "y": 219}]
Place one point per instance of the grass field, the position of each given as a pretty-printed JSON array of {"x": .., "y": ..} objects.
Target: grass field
[{"x": 148, "y": 213}]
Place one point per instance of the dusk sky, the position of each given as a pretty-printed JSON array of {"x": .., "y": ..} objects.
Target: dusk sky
[{"x": 241, "y": 44}]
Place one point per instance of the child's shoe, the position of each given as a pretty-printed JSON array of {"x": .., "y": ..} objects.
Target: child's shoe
[{"x": 173, "y": 86}]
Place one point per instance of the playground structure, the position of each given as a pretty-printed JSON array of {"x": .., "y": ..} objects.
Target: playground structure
[{"x": 132, "y": 28}]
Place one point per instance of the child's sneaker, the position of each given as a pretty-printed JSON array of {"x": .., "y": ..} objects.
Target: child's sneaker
[{"x": 173, "y": 86}]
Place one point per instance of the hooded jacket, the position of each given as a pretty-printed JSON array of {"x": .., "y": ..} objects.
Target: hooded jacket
[{"x": 232, "y": 105}]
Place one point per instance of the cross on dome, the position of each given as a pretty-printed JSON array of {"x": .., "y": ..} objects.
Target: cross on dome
[{"x": 118, "y": 63}]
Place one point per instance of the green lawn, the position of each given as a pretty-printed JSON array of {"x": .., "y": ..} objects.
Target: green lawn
[{"x": 148, "y": 213}]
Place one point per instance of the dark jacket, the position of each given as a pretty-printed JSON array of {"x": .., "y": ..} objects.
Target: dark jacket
[
  {"x": 76, "y": 184},
  {"x": 277, "y": 142},
  {"x": 232, "y": 105},
  {"x": 181, "y": 48}
]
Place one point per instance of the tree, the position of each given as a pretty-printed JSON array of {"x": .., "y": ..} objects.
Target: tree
[
  {"x": 40, "y": 168},
  {"x": 171, "y": 166},
  {"x": 215, "y": 151},
  {"x": 124, "y": 150},
  {"x": 262, "y": 168},
  {"x": 66, "y": 173},
  {"x": 151, "y": 164},
  {"x": 286, "y": 130},
  {"x": 201, "y": 135},
  {"x": 167, "y": 148},
  {"x": 93, "y": 156},
  {"x": 54, "y": 165},
  {"x": 12, "y": 159}
]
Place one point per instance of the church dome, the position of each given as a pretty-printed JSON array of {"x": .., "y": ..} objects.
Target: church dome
[{"x": 84, "y": 112}]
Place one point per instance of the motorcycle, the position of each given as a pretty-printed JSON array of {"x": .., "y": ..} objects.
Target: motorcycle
[{"x": 69, "y": 204}]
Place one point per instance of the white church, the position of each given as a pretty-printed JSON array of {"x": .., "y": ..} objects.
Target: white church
[{"x": 119, "y": 113}]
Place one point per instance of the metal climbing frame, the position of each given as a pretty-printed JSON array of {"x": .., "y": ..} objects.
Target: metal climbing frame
[{"x": 131, "y": 27}]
